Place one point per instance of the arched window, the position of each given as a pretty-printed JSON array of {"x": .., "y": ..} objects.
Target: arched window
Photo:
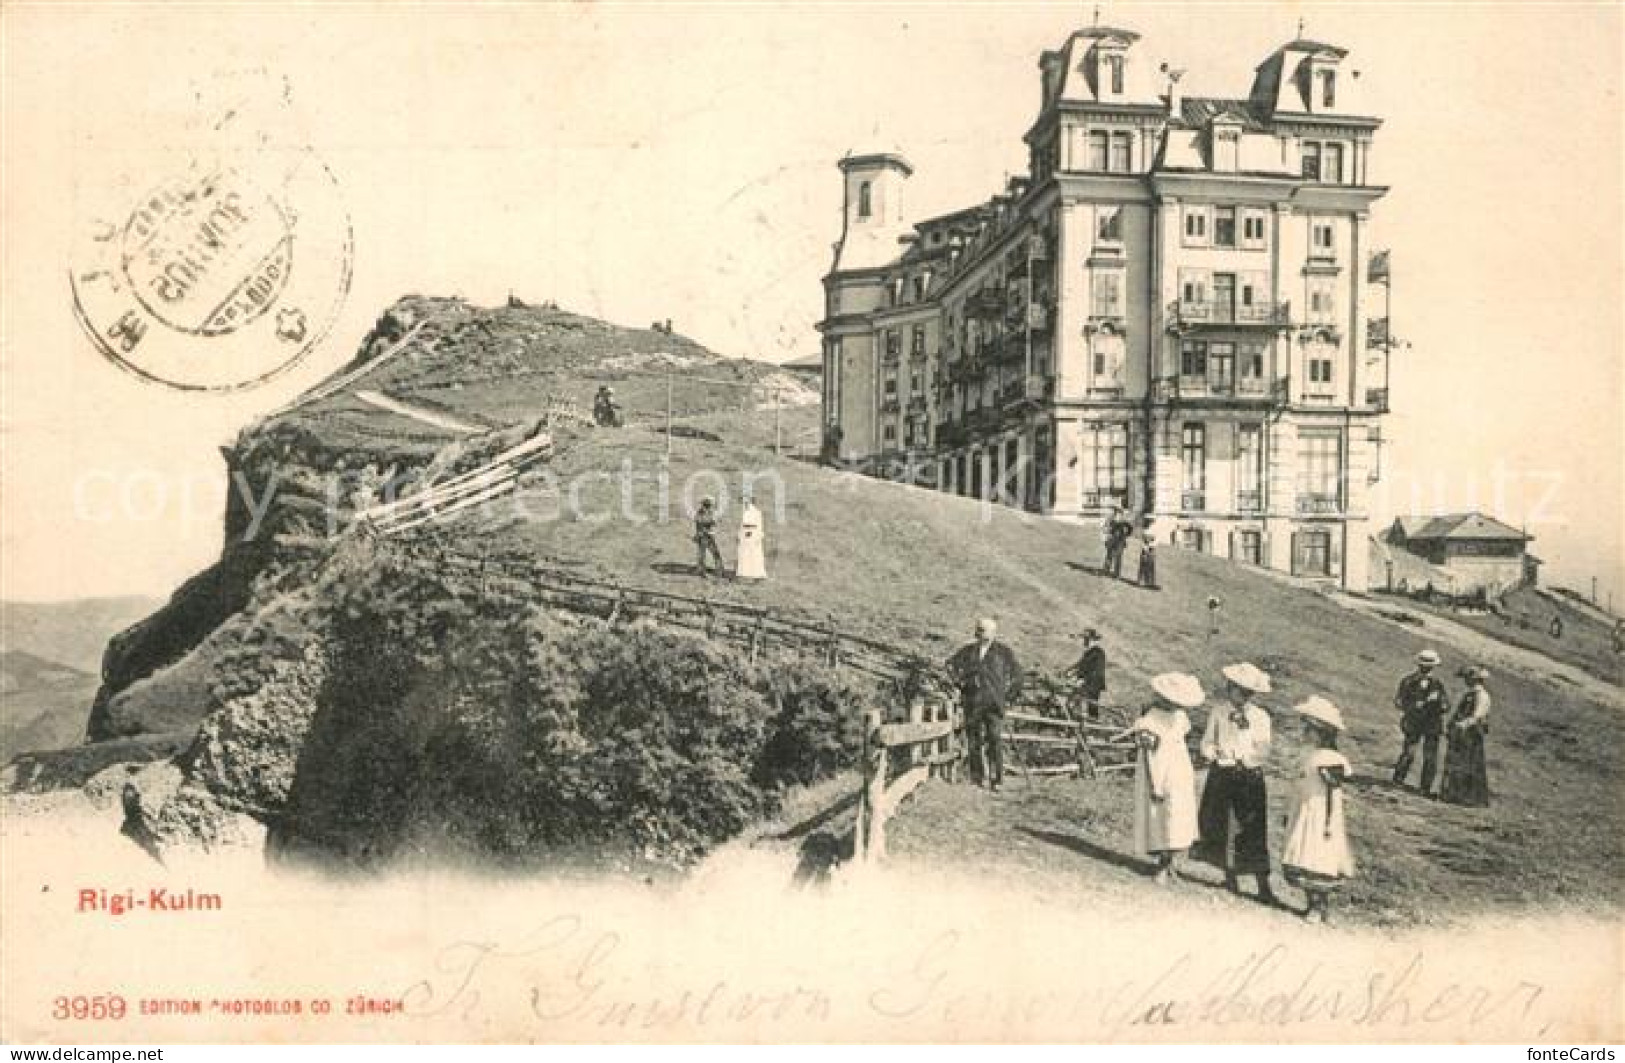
[{"x": 865, "y": 204}]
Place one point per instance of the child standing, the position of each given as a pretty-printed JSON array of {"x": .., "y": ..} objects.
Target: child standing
[
  {"x": 1164, "y": 781},
  {"x": 1317, "y": 857}
]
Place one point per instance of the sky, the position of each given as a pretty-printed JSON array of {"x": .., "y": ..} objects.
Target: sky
[{"x": 640, "y": 162}]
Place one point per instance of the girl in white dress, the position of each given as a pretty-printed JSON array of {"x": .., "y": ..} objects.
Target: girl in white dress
[
  {"x": 1164, "y": 781},
  {"x": 751, "y": 564},
  {"x": 1317, "y": 857}
]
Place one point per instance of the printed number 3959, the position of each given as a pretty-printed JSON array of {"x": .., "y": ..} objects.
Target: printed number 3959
[{"x": 102, "y": 1006}]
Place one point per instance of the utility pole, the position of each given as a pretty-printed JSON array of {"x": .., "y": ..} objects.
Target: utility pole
[
  {"x": 668, "y": 413},
  {"x": 778, "y": 434}
]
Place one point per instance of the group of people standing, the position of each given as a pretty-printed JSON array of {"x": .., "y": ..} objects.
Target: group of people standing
[
  {"x": 1169, "y": 819},
  {"x": 1227, "y": 825},
  {"x": 1117, "y": 532},
  {"x": 751, "y": 562},
  {"x": 1425, "y": 720}
]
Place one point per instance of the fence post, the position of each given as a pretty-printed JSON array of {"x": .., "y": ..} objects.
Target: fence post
[
  {"x": 916, "y": 714},
  {"x": 869, "y": 832}
]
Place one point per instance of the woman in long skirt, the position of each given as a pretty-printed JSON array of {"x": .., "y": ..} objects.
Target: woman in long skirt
[
  {"x": 751, "y": 564},
  {"x": 1317, "y": 858},
  {"x": 1466, "y": 775},
  {"x": 1164, "y": 781}
]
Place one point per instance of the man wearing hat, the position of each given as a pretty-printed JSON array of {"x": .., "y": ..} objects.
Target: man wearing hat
[
  {"x": 989, "y": 679},
  {"x": 1422, "y": 703},
  {"x": 1235, "y": 746},
  {"x": 1090, "y": 671}
]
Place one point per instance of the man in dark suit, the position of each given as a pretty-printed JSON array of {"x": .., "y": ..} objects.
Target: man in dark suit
[
  {"x": 1090, "y": 672},
  {"x": 989, "y": 679},
  {"x": 1422, "y": 703}
]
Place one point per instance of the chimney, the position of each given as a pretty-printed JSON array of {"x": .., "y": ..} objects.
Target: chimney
[{"x": 1176, "y": 97}]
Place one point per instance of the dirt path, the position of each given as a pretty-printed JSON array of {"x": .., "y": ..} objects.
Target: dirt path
[
  {"x": 417, "y": 413},
  {"x": 1491, "y": 652}
]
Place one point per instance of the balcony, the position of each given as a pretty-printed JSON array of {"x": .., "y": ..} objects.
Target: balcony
[
  {"x": 1377, "y": 399},
  {"x": 1314, "y": 504},
  {"x": 1249, "y": 501},
  {"x": 1183, "y": 315},
  {"x": 1103, "y": 498},
  {"x": 1193, "y": 501},
  {"x": 916, "y": 405},
  {"x": 988, "y": 302}
]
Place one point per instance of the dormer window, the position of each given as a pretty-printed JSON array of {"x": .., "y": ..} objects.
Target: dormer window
[
  {"x": 1328, "y": 88},
  {"x": 1114, "y": 64},
  {"x": 1226, "y": 150},
  {"x": 865, "y": 200}
]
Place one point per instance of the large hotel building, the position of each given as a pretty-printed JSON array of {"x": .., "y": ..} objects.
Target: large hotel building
[{"x": 1169, "y": 311}]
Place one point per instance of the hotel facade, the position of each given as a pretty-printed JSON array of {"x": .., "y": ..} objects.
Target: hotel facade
[{"x": 1170, "y": 311}]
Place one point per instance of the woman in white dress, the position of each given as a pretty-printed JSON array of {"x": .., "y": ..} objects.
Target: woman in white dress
[
  {"x": 752, "y": 564},
  {"x": 1317, "y": 857},
  {"x": 1164, "y": 781}
]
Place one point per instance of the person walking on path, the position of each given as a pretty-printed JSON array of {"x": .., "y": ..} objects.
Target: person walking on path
[
  {"x": 1147, "y": 576},
  {"x": 989, "y": 679},
  {"x": 1164, "y": 781},
  {"x": 1090, "y": 672},
  {"x": 751, "y": 563},
  {"x": 1116, "y": 533},
  {"x": 1235, "y": 745},
  {"x": 705, "y": 538},
  {"x": 1317, "y": 858},
  {"x": 1466, "y": 774},
  {"x": 1422, "y": 703}
]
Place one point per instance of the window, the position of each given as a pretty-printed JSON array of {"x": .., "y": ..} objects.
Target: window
[
  {"x": 1250, "y": 547},
  {"x": 1226, "y": 151},
  {"x": 1323, "y": 241},
  {"x": 891, "y": 433},
  {"x": 1312, "y": 553},
  {"x": 1222, "y": 365},
  {"x": 1334, "y": 164},
  {"x": 1328, "y": 88},
  {"x": 891, "y": 387},
  {"x": 1252, "y": 229},
  {"x": 1196, "y": 225},
  {"x": 1193, "y": 359},
  {"x": 894, "y": 343},
  {"x": 1311, "y": 162},
  {"x": 865, "y": 200},
  {"x": 1108, "y": 292},
  {"x": 1320, "y": 465},
  {"x": 1193, "y": 539},
  {"x": 1193, "y": 289},
  {"x": 1115, "y": 64},
  {"x": 1249, "y": 467},
  {"x": 1320, "y": 375},
  {"x": 1097, "y": 150},
  {"x": 1109, "y": 225},
  {"x": 1224, "y": 226},
  {"x": 1252, "y": 360},
  {"x": 1193, "y": 458},
  {"x": 1322, "y": 305},
  {"x": 917, "y": 340},
  {"x": 1107, "y": 467},
  {"x": 919, "y": 289},
  {"x": 1107, "y": 363},
  {"x": 1122, "y": 152}
]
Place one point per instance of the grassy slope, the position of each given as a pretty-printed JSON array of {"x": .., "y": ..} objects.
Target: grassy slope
[{"x": 916, "y": 567}]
